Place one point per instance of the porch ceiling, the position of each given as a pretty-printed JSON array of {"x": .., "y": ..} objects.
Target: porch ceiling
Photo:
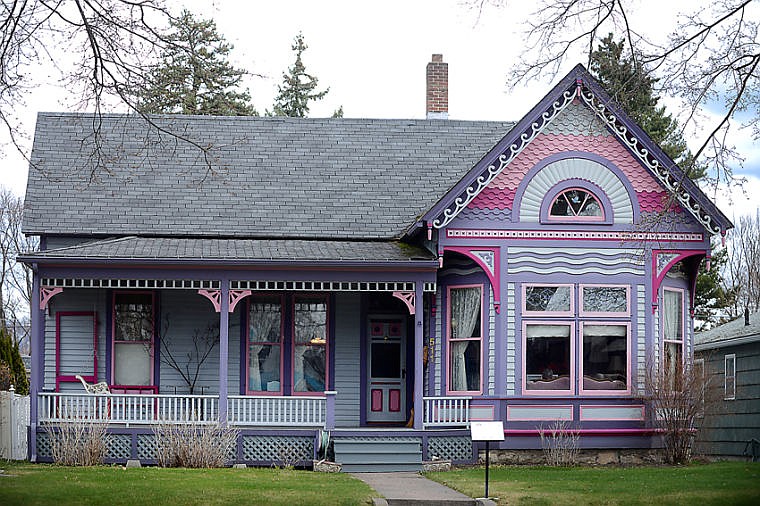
[{"x": 237, "y": 251}]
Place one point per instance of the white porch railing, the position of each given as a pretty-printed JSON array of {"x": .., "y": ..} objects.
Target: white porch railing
[
  {"x": 284, "y": 411},
  {"x": 129, "y": 408},
  {"x": 446, "y": 412}
]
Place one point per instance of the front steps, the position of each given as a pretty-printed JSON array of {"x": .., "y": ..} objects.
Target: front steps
[{"x": 378, "y": 455}]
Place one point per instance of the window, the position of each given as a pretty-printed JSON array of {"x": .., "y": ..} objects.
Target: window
[
  {"x": 576, "y": 204},
  {"x": 75, "y": 331},
  {"x": 729, "y": 384},
  {"x": 309, "y": 344},
  {"x": 599, "y": 329},
  {"x": 465, "y": 338},
  {"x": 133, "y": 315},
  {"x": 548, "y": 356},
  {"x": 672, "y": 322},
  {"x": 265, "y": 344}
]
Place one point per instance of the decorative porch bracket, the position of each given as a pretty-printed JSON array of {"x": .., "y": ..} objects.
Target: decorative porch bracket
[
  {"x": 47, "y": 293},
  {"x": 662, "y": 262},
  {"x": 408, "y": 298},
  {"x": 215, "y": 296},
  {"x": 489, "y": 260}
]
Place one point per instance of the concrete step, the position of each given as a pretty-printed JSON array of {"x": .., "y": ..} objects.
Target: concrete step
[
  {"x": 378, "y": 455},
  {"x": 381, "y": 468}
]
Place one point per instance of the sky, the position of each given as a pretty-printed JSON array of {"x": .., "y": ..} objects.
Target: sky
[{"x": 372, "y": 55}]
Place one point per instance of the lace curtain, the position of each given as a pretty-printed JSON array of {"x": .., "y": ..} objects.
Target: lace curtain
[
  {"x": 465, "y": 313},
  {"x": 672, "y": 315}
]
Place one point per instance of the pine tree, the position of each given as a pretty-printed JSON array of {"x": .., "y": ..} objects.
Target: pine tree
[
  {"x": 629, "y": 83},
  {"x": 194, "y": 75},
  {"x": 298, "y": 87},
  {"x": 10, "y": 356}
]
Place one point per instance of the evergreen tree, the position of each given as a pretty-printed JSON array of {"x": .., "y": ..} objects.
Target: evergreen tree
[
  {"x": 629, "y": 83},
  {"x": 298, "y": 87},
  {"x": 10, "y": 356},
  {"x": 194, "y": 76}
]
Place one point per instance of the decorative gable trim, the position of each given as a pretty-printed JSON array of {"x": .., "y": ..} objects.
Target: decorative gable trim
[{"x": 579, "y": 84}]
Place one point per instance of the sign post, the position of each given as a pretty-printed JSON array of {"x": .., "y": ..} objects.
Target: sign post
[{"x": 487, "y": 432}]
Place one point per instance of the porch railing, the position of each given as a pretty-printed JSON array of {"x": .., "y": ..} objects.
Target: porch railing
[
  {"x": 446, "y": 412},
  {"x": 268, "y": 410},
  {"x": 129, "y": 408}
]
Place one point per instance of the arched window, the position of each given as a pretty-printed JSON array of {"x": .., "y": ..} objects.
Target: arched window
[{"x": 576, "y": 204}]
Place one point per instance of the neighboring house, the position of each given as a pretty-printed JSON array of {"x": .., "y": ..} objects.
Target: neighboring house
[
  {"x": 388, "y": 281},
  {"x": 730, "y": 356}
]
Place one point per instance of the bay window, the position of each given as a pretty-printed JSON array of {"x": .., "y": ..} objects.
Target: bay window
[
  {"x": 554, "y": 327},
  {"x": 265, "y": 345},
  {"x": 133, "y": 332},
  {"x": 465, "y": 338}
]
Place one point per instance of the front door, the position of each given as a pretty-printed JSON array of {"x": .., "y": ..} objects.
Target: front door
[{"x": 386, "y": 381}]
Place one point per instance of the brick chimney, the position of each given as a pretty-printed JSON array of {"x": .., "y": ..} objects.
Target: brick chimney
[{"x": 437, "y": 88}]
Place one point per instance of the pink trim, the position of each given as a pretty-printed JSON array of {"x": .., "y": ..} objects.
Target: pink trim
[
  {"x": 589, "y": 432},
  {"x": 487, "y": 419},
  {"x": 448, "y": 340},
  {"x": 599, "y": 406},
  {"x": 394, "y": 400},
  {"x": 236, "y": 296},
  {"x": 540, "y": 406},
  {"x": 63, "y": 378},
  {"x": 377, "y": 400},
  {"x": 494, "y": 274},
  {"x": 627, "y": 391},
  {"x": 572, "y": 337},
  {"x": 326, "y": 300},
  {"x": 152, "y": 339},
  {"x": 407, "y": 298},
  {"x": 248, "y": 391},
  {"x": 548, "y": 314},
  {"x": 657, "y": 277},
  {"x": 47, "y": 293},
  {"x": 133, "y": 389},
  {"x": 215, "y": 296},
  {"x": 583, "y": 313}
]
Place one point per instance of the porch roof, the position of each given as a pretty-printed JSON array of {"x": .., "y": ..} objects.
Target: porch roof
[{"x": 134, "y": 249}]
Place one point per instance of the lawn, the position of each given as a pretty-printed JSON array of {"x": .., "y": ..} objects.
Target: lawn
[
  {"x": 705, "y": 484},
  {"x": 32, "y": 484}
]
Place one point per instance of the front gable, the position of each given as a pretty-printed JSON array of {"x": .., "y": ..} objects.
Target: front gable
[{"x": 576, "y": 137}]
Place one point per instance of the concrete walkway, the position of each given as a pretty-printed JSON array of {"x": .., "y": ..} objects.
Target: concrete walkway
[{"x": 413, "y": 489}]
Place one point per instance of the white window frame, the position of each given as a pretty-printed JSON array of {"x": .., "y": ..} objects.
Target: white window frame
[{"x": 729, "y": 387}]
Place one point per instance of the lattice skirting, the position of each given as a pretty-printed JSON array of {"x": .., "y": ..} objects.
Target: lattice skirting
[
  {"x": 454, "y": 448},
  {"x": 281, "y": 450}
]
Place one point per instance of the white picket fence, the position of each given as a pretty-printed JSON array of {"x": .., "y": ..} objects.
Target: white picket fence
[{"x": 14, "y": 425}]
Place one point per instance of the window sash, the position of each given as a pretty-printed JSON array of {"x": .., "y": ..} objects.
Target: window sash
[
  {"x": 729, "y": 386},
  {"x": 605, "y": 357},
  {"x": 548, "y": 364},
  {"x": 464, "y": 346},
  {"x": 309, "y": 351},
  {"x": 672, "y": 319},
  {"x": 133, "y": 338},
  {"x": 548, "y": 300},
  {"x": 594, "y": 298}
]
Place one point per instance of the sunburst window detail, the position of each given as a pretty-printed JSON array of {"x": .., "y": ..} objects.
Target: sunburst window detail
[{"x": 576, "y": 204}]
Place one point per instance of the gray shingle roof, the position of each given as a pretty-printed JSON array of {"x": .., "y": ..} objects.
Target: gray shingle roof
[
  {"x": 267, "y": 177},
  {"x": 731, "y": 332},
  {"x": 236, "y": 250}
]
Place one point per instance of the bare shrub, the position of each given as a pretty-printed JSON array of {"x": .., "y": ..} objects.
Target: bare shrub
[
  {"x": 79, "y": 441},
  {"x": 196, "y": 446},
  {"x": 560, "y": 444},
  {"x": 289, "y": 455},
  {"x": 678, "y": 398}
]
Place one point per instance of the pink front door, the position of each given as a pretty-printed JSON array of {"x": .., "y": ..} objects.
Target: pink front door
[{"x": 386, "y": 370}]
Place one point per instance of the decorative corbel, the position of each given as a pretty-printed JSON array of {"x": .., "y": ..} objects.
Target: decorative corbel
[
  {"x": 236, "y": 296},
  {"x": 490, "y": 261},
  {"x": 408, "y": 298},
  {"x": 47, "y": 293},
  {"x": 215, "y": 296}
]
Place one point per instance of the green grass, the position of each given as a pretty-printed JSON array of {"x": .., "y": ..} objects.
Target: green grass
[
  {"x": 701, "y": 485},
  {"x": 40, "y": 484}
]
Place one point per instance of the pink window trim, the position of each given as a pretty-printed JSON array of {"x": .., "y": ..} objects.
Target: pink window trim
[
  {"x": 573, "y": 338},
  {"x": 62, "y": 378},
  {"x": 549, "y": 314},
  {"x": 326, "y": 300},
  {"x": 252, "y": 299},
  {"x": 682, "y": 341},
  {"x": 583, "y": 313},
  {"x": 152, "y": 339},
  {"x": 448, "y": 339},
  {"x": 574, "y": 219},
  {"x": 594, "y": 393}
]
